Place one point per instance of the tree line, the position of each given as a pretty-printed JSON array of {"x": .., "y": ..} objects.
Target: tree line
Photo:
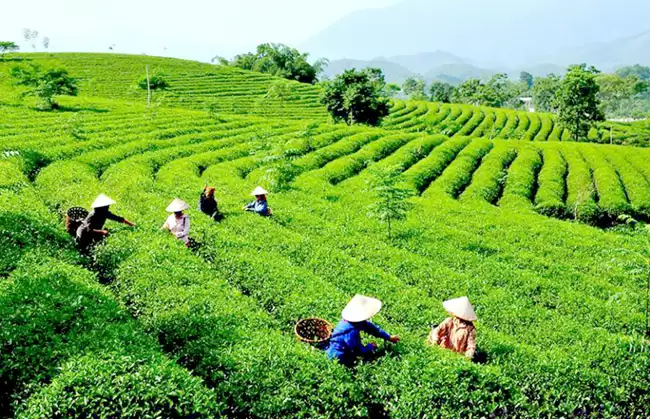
[{"x": 623, "y": 94}]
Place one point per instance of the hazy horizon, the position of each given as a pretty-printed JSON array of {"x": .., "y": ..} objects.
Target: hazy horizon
[{"x": 195, "y": 29}]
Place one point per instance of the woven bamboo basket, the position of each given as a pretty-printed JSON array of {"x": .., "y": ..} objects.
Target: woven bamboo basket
[
  {"x": 314, "y": 331},
  {"x": 73, "y": 219}
]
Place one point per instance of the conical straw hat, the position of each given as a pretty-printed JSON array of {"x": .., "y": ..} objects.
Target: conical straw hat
[
  {"x": 178, "y": 205},
  {"x": 361, "y": 308},
  {"x": 259, "y": 191},
  {"x": 102, "y": 201},
  {"x": 461, "y": 308}
]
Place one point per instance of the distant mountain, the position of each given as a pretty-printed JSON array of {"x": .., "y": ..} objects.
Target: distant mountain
[
  {"x": 608, "y": 56},
  {"x": 424, "y": 62},
  {"x": 393, "y": 72},
  {"x": 489, "y": 34},
  {"x": 458, "y": 73}
]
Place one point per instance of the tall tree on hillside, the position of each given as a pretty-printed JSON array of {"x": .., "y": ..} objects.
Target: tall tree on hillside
[
  {"x": 390, "y": 203},
  {"x": 44, "y": 84},
  {"x": 357, "y": 97},
  {"x": 526, "y": 79},
  {"x": 441, "y": 92},
  {"x": 544, "y": 92},
  {"x": 414, "y": 88},
  {"x": 7, "y": 47},
  {"x": 152, "y": 83},
  {"x": 577, "y": 101},
  {"x": 278, "y": 60}
]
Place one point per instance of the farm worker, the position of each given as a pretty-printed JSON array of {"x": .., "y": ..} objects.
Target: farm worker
[
  {"x": 178, "y": 223},
  {"x": 91, "y": 229},
  {"x": 260, "y": 205},
  {"x": 457, "y": 332},
  {"x": 345, "y": 343},
  {"x": 208, "y": 204}
]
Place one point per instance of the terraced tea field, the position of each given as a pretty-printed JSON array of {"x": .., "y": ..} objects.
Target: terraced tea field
[
  {"x": 149, "y": 328},
  {"x": 475, "y": 121}
]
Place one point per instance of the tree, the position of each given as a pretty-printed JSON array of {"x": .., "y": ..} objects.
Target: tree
[
  {"x": 577, "y": 101},
  {"x": 468, "y": 92},
  {"x": 544, "y": 92},
  {"x": 278, "y": 60},
  {"x": 497, "y": 92},
  {"x": 45, "y": 83},
  {"x": 152, "y": 83},
  {"x": 526, "y": 79},
  {"x": 46, "y": 42},
  {"x": 441, "y": 92},
  {"x": 642, "y": 72},
  {"x": 414, "y": 87},
  {"x": 30, "y": 37},
  {"x": 7, "y": 47},
  {"x": 357, "y": 97},
  {"x": 390, "y": 200},
  {"x": 392, "y": 90}
]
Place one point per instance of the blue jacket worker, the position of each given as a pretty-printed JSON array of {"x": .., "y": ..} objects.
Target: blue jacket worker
[
  {"x": 259, "y": 206},
  {"x": 345, "y": 343}
]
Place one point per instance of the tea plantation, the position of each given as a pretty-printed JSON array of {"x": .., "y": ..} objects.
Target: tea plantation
[{"x": 148, "y": 328}]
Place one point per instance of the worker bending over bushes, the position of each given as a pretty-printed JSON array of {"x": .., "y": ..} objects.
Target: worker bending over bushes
[
  {"x": 260, "y": 205},
  {"x": 208, "y": 204},
  {"x": 91, "y": 229},
  {"x": 457, "y": 332},
  {"x": 345, "y": 343},
  {"x": 178, "y": 223}
]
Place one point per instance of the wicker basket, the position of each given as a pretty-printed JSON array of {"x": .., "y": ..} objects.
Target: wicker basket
[
  {"x": 314, "y": 331},
  {"x": 73, "y": 219}
]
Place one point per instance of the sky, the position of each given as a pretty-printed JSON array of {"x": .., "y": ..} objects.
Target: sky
[{"x": 194, "y": 29}]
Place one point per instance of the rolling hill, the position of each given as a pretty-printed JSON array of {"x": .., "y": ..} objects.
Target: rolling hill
[{"x": 148, "y": 327}]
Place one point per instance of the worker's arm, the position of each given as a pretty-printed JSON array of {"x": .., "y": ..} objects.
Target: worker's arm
[
  {"x": 261, "y": 207},
  {"x": 471, "y": 344},
  {"x": 376, "y": 331},
  {"x": 438, "y": 332},
  {"x": 185, "y": 228}
]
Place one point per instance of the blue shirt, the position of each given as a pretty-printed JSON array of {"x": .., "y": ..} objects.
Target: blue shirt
[
  {"x": 345, "y": 343},
  {"x": 260, "y": 207}
]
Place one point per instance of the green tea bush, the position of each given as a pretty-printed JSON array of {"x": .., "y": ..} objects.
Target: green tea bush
[
  {"x": 521, "y": 183},
  {"x": 472, "y": 124},
  {"x": 52, "y": 312},
  {"x": 581, "y": 191},
  {"x": 637, "y": 187},
  {"x": 612, "y": 199},
  {"x": 420, "y": 175},
  {"x": 552, "y": 187},
  {"x": 458, "y": 175},
  {"x": 489, "y": 179}
]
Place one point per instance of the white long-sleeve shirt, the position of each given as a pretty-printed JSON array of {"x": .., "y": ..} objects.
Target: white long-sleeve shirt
[{"x": 179, "y": 227}]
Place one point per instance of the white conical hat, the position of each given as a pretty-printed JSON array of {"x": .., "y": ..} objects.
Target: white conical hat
[
  {"x": 177, "y": 205},
  {"x": 102, "y": 201},
  {"x": 361, "y": 308},
  {"x": 259, "y": 191},
  {"x": 461, "y": 308}
]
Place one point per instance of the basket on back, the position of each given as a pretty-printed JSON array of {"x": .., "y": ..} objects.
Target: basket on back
[
  {"x": 73, "y": 219},
  {"x": 313, "y": 331}
]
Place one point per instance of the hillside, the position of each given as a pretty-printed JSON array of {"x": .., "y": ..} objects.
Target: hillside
[
  {"x": 147, "y": 327},
  {"x": 494, "y": 34},
  {"x": 192, "y": 84}
]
